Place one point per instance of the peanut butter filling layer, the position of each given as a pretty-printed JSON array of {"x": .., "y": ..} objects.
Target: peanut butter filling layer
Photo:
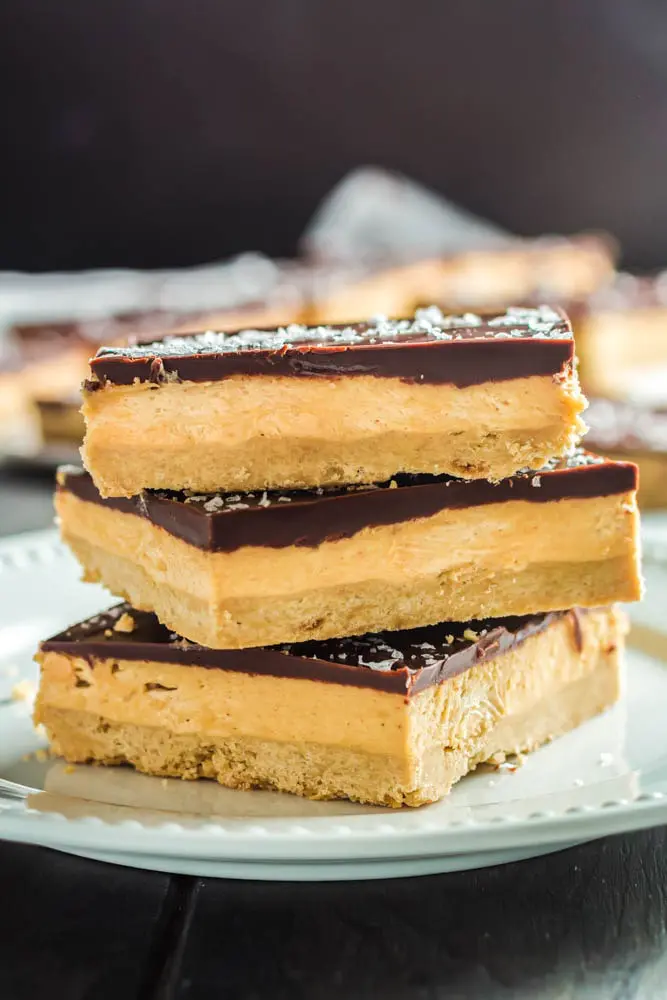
[{"x": 248, "y": 433}]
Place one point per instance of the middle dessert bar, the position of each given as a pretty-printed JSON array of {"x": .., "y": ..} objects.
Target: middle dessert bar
[
  {"x": 239, "y": 570},
  {"x": 472, "y": 396}
]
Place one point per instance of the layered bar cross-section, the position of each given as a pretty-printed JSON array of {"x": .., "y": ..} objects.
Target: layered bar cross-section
[
  {"x": 298, "y": 407},
  {"x": 390, "y": 719},
  {"x": 236, "y": 570}
]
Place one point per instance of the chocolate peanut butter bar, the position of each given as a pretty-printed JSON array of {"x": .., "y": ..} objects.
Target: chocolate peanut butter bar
[
  {"x": 633, "y": 433},
  {"x": 392, "y": 719},
  {"x": 621, "y": 338},
  {"x": 472, "y": 396},
  {"x": 246, "y": 569},
  {"x": 548, "y": 269}
]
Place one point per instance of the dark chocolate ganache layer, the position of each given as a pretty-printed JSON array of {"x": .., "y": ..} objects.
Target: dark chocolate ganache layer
[
  {"x": 223, "y": 522},
  {"x": 431, "y": 347}
]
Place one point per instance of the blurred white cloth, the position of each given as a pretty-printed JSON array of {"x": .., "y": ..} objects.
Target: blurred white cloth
[
  {"x": 372, "y": 218},
  {"x": 376, "y": 217},
  {"x": 28, "y": 298}
]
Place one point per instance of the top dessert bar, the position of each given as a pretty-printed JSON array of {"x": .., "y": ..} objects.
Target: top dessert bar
[{"x": 298, "y": 407}]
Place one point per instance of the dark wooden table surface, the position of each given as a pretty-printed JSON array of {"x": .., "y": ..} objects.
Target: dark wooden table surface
[{"x": 590, "y": 922}]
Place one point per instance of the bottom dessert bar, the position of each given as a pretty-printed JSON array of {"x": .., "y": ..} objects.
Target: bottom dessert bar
[{"x": 391, "y": 719}]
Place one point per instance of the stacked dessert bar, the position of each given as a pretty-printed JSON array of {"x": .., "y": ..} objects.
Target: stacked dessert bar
[{"x": 357, "y": 560}]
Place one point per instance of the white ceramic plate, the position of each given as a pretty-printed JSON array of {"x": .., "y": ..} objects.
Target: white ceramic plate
[{"x": 609, "y": 776}]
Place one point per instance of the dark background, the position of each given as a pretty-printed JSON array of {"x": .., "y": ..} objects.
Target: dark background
[{"x": 166, "y": 132}]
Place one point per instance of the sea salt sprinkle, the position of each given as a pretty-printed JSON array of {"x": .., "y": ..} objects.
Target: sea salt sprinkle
[
  {"x": 221, "y": 503},
  {"x": 575, "y": 459},
  {"x": 428, "y": 323}
]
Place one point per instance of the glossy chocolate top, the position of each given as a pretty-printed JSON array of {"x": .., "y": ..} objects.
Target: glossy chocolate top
[
  {"x": 223, "y": 522},
  {"x": 461, "y": 350},
  {"x": 626, "y": 428},
  {"x": 397, "y": 662}
]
